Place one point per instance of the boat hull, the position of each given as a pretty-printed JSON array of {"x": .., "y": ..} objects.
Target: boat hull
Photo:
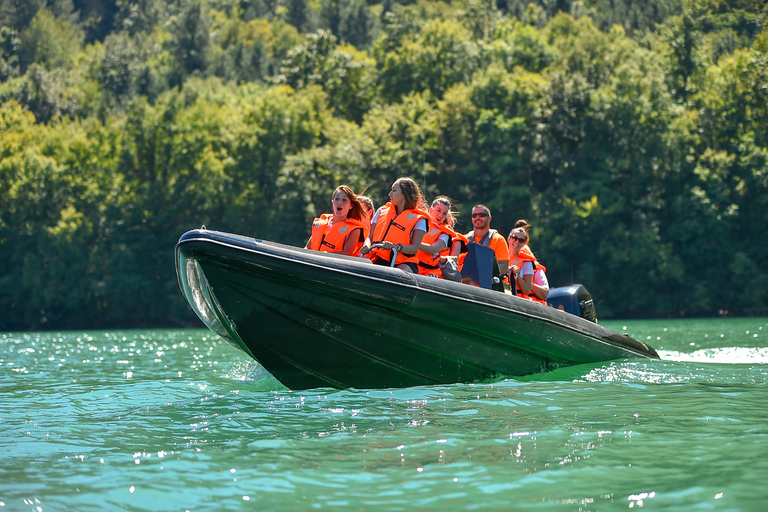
[{"x": 318, "y": 320}]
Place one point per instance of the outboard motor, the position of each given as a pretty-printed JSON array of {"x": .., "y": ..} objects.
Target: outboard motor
[{"x": 574, "y": 299}]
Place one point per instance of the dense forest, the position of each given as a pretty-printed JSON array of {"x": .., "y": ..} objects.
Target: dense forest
[{"x": 632, "y": 135}]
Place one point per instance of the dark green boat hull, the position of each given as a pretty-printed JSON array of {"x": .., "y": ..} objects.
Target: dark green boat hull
[{"x": 318, "y": 320}]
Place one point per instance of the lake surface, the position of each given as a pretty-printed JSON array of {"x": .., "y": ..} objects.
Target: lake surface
[{"x": 180, "y": 420}]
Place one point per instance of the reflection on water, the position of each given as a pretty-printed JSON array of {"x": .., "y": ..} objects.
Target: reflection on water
[{"x": 180, "y": 420}]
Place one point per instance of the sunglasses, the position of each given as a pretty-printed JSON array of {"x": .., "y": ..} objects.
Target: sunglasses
[
  {"x": 521, "y": 240},
  {"x": 475, "y": 215}
]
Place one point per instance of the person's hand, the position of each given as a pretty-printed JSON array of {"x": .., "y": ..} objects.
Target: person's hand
[
  {"x": 514, "y": 270},
  {"x": 390, "y": 246}
]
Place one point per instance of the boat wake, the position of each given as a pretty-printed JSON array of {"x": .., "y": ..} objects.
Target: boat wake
[
  {"x": 722, "y": 355},
  {"x": 681, "y": 367}
]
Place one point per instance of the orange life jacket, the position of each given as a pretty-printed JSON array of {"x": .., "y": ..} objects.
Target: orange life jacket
[
  {"x": 463, "y": 253},
  {"x": 429, "y": 264},
  {"x": 464, "y": 243},
  {"x": 332, "y": 239},
  {"x": 518, "y": 260},
  {"x": 391, "y": 227},
  {"x": 537, "y": 264}
]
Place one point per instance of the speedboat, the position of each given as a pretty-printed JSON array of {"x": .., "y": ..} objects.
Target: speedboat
[{"x": 315, "y": 319}]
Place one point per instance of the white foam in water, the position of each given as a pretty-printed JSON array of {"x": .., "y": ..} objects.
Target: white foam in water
[
  {"x": 256, "y": 373},
  {"x": 248, "y": 371},
  {"x": 724, "y": 355},
  {"x": 252, "y": 373}
]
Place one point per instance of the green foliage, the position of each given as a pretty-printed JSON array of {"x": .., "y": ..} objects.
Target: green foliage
[
  {"x": 633, "y": 16},
  {"x": 44, "y": 93},
  {"x": 344, "y": 73},
  {"x": 137, "y": 16},
  {"x": 443, "y": 54},
  {"x": 9, "y": 53},
  {"x": 399, "y": 25},
  {"x": 119, "y": 65},
  {"x": 351, "y": 21},
  {"x": 300, "y": 14},
  {"x": 631, "y": 134},
  {"x": 357, "y": 25},
  {"x": 49, "y": 41},
  {"x": 683, "y": 40},
  {"x": 516, "y": 44},
  {"x": 191, "y": 41},
  {"x": 16, "y": 14},
  {"x": 246, "y": 50}
]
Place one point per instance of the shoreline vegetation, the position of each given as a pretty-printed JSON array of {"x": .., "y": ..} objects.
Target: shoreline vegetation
[{"x": 633, "y": 137}]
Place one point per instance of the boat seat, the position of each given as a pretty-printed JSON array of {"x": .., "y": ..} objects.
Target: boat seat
[{"x": 481, "y": 267}]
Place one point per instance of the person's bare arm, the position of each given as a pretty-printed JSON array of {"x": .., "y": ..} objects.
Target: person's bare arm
[
  {"x": 435, "y": 248},
  {"x": 524, "y": 283}
]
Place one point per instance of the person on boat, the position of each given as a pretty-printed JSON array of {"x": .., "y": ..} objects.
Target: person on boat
[
  {"x": 524, "y": 267},
  {"x": 342, "y": 231},
  {"x": 483, "y": 234},
  {"x": 400, "y": 224},
  {"x": 441, "y": 240},
  {"x": 369, "y": 208},
  {"x": 540, "y": 285}
]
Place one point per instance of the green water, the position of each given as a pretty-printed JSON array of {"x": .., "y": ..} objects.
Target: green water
[{"x": 180, "y": 420}]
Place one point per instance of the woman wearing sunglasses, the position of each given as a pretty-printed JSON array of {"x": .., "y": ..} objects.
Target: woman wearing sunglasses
[{"x": 525, "y": 272}]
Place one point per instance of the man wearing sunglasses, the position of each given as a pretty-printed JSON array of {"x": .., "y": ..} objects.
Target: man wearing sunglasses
[{"x": 484, "y": 235}]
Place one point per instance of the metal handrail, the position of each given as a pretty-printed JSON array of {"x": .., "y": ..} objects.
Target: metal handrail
[{"x": 381, "y": 244}]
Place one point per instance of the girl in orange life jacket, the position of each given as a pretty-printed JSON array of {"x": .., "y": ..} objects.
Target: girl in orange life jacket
[
  {"x": 343, "y": 230},
  {"x": 441, "y": 240},
  {"x": 521, "y": 265},
  {"x": 400, "y": 224},
  {"x": 540, "y": 284}
]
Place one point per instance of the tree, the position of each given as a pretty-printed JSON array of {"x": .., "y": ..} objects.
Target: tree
[
  {"x": 300, "y": 14},
  {"x": 44, "y": 94},
  {"x": 118, "y": 66},
  {"x": 16, "y": 14},
  {"x": 191, "y": 41},
  {"x": 442, "y": 55},
  {"x": 683, "y": 39},
  {"x": 357, "y": 25},
  {"x": 49, "y": 41},
  {"x": 9, "y": 53},
  {"x": 348, "y": 76}
]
